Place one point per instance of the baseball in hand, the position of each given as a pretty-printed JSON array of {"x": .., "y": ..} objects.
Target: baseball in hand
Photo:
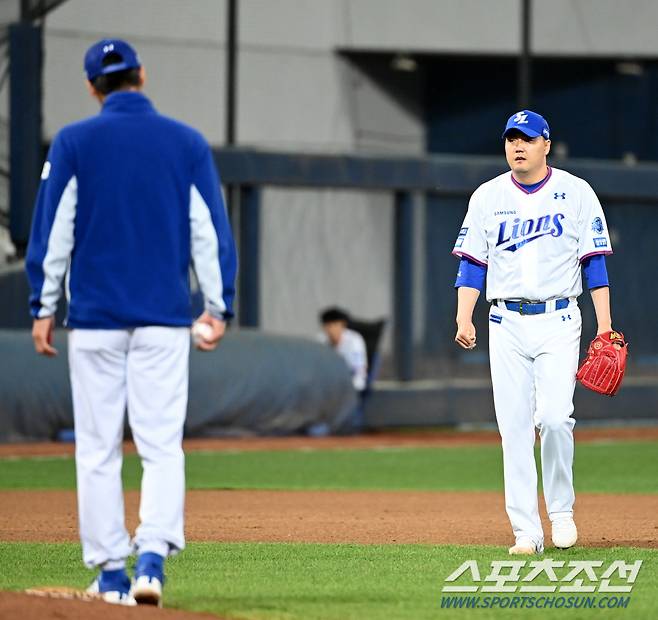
[{"x": 201, "y": 332}]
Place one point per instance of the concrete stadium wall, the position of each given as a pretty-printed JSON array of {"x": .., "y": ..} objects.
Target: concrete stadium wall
[
  {"x": 559, "y": 27},
  {"x": 595, "y": 28},
  {"x": 295, "y": 91},
  {"x": 322, "y": 248}
]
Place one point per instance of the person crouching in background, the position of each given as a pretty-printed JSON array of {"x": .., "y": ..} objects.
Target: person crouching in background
[{"x": 350, "y": 345}]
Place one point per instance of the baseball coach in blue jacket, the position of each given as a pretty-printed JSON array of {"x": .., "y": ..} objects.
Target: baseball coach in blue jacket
[{"x": 128, "y": 200}]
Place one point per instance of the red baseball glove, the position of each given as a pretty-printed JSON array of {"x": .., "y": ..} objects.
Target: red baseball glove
[{"x": 605, "y": 364}]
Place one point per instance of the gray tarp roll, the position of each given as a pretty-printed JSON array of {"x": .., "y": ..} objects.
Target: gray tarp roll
[{"x": 253, "y": 383}]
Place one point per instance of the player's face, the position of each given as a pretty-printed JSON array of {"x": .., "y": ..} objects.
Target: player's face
[
  {"x": 526, "y": 155},
  {"x": 334, "y": 331}
]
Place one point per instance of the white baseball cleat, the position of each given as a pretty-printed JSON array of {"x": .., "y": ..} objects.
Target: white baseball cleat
[
  {"x": 525, "y": 546},
  {"x": 147, "y": 591},
  {"x": 114, "y": 591},
  {"x": 149, "y": 577},
  {"x": 565, "y": 533}
]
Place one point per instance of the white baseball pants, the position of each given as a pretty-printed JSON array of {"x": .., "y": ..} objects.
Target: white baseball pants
[
  {"x": 146, "y": 370},
  {"x": 534, "y": 359}
]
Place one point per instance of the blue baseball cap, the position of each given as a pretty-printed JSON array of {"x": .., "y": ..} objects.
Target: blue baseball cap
[
  {"x": 98, "y": 51},
  {"x": 530, "y": 123}
]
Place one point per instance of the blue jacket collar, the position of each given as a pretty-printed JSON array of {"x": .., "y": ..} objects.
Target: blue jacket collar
[{"x": 127, "y": 102}]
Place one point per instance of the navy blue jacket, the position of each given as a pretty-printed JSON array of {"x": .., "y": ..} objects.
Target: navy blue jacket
[{"x": 128, "y": 200}]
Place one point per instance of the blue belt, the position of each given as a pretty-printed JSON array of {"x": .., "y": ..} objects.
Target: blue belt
[{"x": 529, "y": 307}]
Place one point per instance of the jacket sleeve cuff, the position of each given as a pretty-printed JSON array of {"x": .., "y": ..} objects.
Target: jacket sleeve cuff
[{"x": 216, "y": 312}]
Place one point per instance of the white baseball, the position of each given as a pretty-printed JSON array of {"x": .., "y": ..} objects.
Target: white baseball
[{"x": 201, "y": 332}]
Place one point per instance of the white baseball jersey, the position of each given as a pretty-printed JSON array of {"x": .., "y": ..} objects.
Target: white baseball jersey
[
  {"x": 352, "y": 348},
  {"x": 533, "y": 242}
]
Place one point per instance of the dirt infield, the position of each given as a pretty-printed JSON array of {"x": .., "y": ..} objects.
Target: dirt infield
[
  {"x": 428, "y": 439},
  {"x": 25, "y": 607},
  {"x": 348, "y": 516}
]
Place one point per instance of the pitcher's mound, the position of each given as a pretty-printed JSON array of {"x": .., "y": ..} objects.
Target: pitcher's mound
[{"x": 70, "y": 604}]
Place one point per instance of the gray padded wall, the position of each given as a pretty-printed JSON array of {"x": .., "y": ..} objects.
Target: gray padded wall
[{"x": 252, "y": 384}]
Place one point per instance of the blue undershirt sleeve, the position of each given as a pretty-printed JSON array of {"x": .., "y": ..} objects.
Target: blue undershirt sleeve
[
  {"x": 596, "y": 273},
  {"x": 471, "y": 274}
]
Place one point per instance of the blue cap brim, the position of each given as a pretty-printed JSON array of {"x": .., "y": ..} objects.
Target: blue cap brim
[{"x": 528, "y": 132}]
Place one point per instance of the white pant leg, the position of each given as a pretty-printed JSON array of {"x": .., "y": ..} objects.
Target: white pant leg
[
  {"x": 158, "y": 363},
  {"x": 555, "y": 374},
  {"x": 514, "y": 399},
  {"x": 97, "y": 364}
]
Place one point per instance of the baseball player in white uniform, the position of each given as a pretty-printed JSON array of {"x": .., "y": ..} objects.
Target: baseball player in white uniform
[{"x": 528, "y": 233}]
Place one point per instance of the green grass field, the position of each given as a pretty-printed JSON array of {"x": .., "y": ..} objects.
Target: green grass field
[
  {"x": 627, "y": 467},
  {"x": 295, "y": 581},
  {"x": 267, "y": 581}
]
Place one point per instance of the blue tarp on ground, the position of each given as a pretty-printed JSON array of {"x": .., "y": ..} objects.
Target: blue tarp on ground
[{"x": 253, "y": 383}]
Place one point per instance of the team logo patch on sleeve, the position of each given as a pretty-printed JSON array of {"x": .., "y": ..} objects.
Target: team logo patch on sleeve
[
  {"x": 597, "y": 225},
  {"x": 460, "y": 237},
  {"x": 600, "y": 242}
]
